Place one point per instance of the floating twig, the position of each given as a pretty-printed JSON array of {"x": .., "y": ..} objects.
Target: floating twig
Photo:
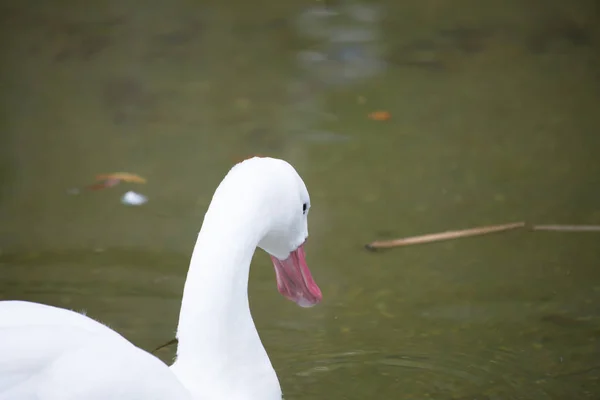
[
  {"x": 567, "y": 228},
  {"x": 434, "y": 237}
]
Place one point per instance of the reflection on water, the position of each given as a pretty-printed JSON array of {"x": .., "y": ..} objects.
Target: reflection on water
[
  {"x": 494, "y": 119},
  {"x": 345, "y": 48},
  {"x": 348, "y": 44}
]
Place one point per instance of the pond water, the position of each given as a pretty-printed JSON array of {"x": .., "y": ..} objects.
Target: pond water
[{"x": 494, "y": 119}]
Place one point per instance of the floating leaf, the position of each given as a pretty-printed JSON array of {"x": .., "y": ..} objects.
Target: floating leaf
[
  {"x": 106, "y": 183},
  {"x": 121, "y": 176},
  {"x": 380, "y": 115}
]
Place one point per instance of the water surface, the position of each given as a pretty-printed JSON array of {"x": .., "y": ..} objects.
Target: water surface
[{"x": 494, "y": 119}]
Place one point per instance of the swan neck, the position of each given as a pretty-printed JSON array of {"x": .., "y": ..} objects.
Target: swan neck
[
  {"x": 219, "y": 347},
  {"x": 215, "y": 296}
]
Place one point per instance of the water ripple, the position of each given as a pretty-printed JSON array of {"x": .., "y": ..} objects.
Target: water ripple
[{"x": 492, "y": 374}]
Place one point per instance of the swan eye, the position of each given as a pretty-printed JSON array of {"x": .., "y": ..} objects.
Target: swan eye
[{"x": 304, "y": 208}]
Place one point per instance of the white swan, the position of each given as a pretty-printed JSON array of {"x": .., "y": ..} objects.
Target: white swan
[{"x": 49, "y": 353}]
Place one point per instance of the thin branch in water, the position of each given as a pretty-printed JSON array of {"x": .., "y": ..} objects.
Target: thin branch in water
[
  {"x": 567, "y": 228},
  {"x": 434, "y": 237},
  {"x": 170, "y": 342}
]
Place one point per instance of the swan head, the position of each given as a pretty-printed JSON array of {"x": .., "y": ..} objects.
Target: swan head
[{"x": 285, "y": 205}]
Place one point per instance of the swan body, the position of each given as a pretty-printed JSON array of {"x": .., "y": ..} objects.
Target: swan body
[{"x": 50, "y": 353}]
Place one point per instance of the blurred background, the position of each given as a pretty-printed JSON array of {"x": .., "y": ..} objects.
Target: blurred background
[{"x": 403, "y": 118}]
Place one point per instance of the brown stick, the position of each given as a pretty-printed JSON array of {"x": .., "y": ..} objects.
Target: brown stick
[
  {"x": 567, "y": 228},
  {"x": 434, "y": 237}
]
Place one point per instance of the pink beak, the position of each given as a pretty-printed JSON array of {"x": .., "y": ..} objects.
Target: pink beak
[{"x": 294, "y": 280}]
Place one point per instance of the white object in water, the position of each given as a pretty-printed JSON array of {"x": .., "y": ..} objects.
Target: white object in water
[
  {"x": 133, "y": 199},
  {"x": 49, "y": 353}
]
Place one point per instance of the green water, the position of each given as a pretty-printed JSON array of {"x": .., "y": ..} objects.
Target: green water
[{"x": 495, "y": 119}]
